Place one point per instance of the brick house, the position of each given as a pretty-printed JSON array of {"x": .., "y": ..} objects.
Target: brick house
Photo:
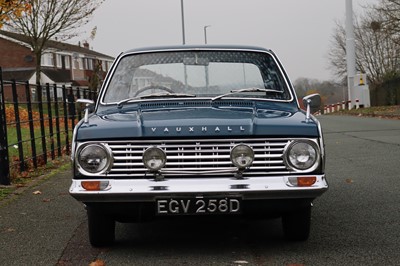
[{"x": 62, "y": 63}]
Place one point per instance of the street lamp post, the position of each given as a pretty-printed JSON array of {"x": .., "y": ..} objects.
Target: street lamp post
[
  {"x": 183, "y": 23},
  {"x": 350, "y": 52},
  {"x": 206, "y": 67},
  {"x": 183, "y": 40},
  {"x": 205, "y": 33}
]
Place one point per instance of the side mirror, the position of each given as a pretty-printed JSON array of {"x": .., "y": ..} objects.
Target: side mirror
[
  {"x": 312, "y": 103},
  {"x": 89, "y": 104}
]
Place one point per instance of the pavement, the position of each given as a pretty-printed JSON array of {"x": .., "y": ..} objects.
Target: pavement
[{"x": 37, "y": 225}]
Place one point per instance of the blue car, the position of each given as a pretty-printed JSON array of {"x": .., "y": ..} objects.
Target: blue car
[{"x": 198, "y": 131}]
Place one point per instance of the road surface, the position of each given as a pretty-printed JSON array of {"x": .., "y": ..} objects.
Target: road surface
[{"x": 357, "y": 222}]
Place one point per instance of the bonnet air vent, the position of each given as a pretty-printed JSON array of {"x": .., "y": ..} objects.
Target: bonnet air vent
[
  {"x": 174, "y": 104},
  {"x": 234, "y": 103},
  {"x": 196, "y": 104}
]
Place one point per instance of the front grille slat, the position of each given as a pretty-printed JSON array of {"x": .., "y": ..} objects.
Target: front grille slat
[
  {"x": 197, "y": 155},
  {"x": 130, "y": 158}
]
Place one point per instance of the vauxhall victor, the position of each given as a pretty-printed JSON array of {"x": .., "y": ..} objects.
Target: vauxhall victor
[{"x": 198, "y": 131}]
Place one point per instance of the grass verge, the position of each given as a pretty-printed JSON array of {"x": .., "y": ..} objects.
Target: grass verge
[
  {"x": 33, "y": 178},
  {"x": 387, "y": 112}
]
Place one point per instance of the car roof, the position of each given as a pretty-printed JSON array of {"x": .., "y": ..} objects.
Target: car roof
[{"x": 197, "y": 47}]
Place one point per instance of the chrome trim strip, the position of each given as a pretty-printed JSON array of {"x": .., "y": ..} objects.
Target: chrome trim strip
[
  {"x": 206, "y": 172},
  {"x": 321, "y": 141}
]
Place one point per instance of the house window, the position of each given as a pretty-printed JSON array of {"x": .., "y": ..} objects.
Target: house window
[
  {"x": 67, "y": 62},
  {"x": 80, "y": 63},
  {"x": 59, "y": 60},
  {"x": 47, "y": 59},
  {"x": 104, "y": 66},
  {"x": 63, "y": 61},
  {"x": 90, "y": 63}
]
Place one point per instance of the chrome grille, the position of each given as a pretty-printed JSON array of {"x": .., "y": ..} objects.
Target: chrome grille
[{"x": 186, "y": 156}]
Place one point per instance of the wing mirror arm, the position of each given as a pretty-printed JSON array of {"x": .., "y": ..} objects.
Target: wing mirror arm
[
  {"x": 308, "y": 113},
  {"x": 312, "y": 102},
  {"x": 88, "y": 105}
]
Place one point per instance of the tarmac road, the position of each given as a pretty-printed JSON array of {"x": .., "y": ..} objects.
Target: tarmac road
[{"x": 357, "y": 222}]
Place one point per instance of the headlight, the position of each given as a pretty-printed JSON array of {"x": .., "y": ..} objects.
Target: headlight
[
  {"x": 93, "y": 159},
  {"x": 154, "y": 159},
  {"x": 242, "y": 156},
  {"x": 302, "y": 155}
]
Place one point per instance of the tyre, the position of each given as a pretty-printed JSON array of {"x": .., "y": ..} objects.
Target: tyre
[
  {"x": 101, "y": 228},
  {"x": 296, "y": 224}
]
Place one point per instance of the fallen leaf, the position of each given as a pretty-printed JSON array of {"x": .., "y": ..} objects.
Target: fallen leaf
[
  {"x": 24, "y": 174},
  {"x": 10, "y": 230},
  {"x": 37, "y": 192},
  {"x": 349, "y": 181},
  {"x": 97, "y": 263},
  {"x": 46, "y": 200}
]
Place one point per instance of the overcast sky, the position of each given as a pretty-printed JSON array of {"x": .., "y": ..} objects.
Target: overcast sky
[{"x": 299, "y": 31}]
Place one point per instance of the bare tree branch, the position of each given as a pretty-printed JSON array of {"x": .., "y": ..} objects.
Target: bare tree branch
[
  {"x": 50, "y": 19},
  {"x": 377, "y": 52}
]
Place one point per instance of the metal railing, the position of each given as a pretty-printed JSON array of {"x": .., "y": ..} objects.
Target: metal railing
[{"x": 36, "y": 124}]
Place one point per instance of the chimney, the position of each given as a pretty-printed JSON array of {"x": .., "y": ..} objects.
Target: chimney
[{"x": 86, "y": 45}]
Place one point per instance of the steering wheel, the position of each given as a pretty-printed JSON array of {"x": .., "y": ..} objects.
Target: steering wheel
[{"x": 153, "y": 87}]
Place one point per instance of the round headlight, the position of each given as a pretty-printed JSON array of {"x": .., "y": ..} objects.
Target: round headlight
[
  {"x": 154, "y": 158},
  {"x": 242, "y": 156},
  {"x": 302, "y": 155},
  {"x": 94, "y": 159}
]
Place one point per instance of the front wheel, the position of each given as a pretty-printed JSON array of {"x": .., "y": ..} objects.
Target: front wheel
[
  {"x": 101, "y": 228},
  {"x": 296, "y": 224}
]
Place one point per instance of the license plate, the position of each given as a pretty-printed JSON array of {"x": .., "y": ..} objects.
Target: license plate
[{"x": 182, "y": 206}]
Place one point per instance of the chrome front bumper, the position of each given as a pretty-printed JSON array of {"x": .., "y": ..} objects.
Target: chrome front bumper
[{"x": 147, "y": 190}]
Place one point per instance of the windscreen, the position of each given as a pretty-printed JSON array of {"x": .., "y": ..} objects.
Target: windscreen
[{"x": 196, "y": 74}]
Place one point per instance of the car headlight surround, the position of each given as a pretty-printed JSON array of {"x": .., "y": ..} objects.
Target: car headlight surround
[
  {"x": 302, "y": 156},
  {"x": 93, "y": 159},
  {"x": 242, "y": 156},
  {"x": 154, "y": 159}
]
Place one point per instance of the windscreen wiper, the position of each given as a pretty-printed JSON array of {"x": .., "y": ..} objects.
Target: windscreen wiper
[
  {"x": 155, "y": 95},
  {"x": 253, "y": 89}
]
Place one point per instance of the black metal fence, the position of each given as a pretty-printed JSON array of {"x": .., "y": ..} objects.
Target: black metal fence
[{"x": 36, "y": 124}]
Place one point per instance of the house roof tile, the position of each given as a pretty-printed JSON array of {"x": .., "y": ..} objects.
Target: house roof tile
[
  {"x": 18, "y": 74},
  {"x": 51, "y": 44}
]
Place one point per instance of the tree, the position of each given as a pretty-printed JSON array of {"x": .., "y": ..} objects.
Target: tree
[
  {"x": 377, "y": 52},
  {"x": 389, "y": 11},
  {"x": 51, "y": 19},
  {"x": 330, "y": 91},
  {"x": 12, "y": 8},
  {"x": 337, "y": 52},
  {"x": 96, "y": 78}
]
